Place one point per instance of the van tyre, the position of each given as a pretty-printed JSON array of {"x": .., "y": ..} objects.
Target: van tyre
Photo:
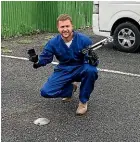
[{"x": 127, "y": 37}]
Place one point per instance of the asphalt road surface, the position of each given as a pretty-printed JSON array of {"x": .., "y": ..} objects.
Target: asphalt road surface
[{"x": 113, "y": 111}]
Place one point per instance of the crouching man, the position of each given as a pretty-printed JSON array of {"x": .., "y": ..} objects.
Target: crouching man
[{"x": 73, "y": 65}]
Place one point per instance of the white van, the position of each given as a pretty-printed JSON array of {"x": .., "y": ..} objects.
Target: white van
[{"x": 120, "y": 19}]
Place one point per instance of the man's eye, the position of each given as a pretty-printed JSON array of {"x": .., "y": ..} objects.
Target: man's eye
[{"x": 67, "y": 26}]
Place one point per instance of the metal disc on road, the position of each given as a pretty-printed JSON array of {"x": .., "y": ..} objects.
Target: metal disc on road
[{"x": 41, "y": 121}]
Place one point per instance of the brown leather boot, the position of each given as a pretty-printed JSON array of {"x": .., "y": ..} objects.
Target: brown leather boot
[
  {"x": 68, "y": 99},
  {"x": 82, "y": 108}
]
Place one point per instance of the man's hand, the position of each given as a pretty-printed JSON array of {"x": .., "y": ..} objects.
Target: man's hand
[
  {"x": 32, "y": 56},
  {"x": 36, "y": 65},
  {"x": 93, "y": 58}
]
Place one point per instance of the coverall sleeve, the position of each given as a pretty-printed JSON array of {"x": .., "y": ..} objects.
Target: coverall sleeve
[{"x": 46, "y": 55}]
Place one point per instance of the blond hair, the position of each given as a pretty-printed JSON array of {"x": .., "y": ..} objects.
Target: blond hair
[{"x": 64, "y": 17}]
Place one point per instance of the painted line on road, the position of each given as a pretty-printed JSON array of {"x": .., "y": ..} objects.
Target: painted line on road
[
  {"x": 13, "y": 57},
  {"x": 102, "y": 70},
  {"x": 119, "y": 72},
  {"x": 22, "y": 58}
]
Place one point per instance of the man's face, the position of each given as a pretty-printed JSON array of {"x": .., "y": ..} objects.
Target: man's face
[{"x": 65, "y": 28}]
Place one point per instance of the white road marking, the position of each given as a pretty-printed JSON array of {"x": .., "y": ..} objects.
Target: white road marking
[
  {"x": 102, "y": 70},
  {"x": 13, "y": 57},
  {"x": 119, "y": 72},
  {"x": 22, "y": 58}
]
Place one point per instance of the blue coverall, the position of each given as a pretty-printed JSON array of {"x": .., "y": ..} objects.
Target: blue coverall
[{"x": 72, "y": 67}]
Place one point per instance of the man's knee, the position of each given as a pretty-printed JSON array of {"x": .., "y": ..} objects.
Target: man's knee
[
  {"x": 91, "y": 71},
  {"x": 44, "y": 93}
]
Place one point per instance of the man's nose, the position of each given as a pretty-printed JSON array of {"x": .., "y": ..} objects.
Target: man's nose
[{"x": 65, "y": 28}]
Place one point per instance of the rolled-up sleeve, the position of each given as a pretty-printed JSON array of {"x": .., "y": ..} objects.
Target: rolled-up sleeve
[{"x": 46, "y": 55}]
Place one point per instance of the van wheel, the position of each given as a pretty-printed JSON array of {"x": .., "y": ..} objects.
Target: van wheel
[{"x": 127, "y": 37}]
